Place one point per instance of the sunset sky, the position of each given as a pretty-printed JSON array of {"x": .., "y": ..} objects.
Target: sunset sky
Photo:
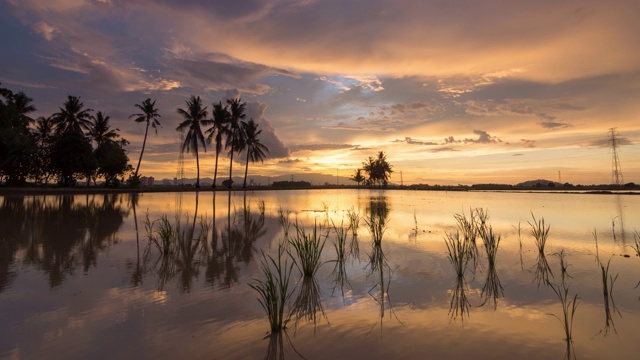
[{"x": 453, "y": 91}]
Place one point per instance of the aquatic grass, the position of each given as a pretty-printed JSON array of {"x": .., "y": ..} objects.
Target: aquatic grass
[
  {"x": 543, "y": 271},
  {"x": 459, "y": 303},
  {"x": 284, "y": 220},
  {"x": 273, "y": 288},
  {"x": 377, "y": 228},
  {"x": 569, "y": 307},
  {"x": 457, "y": 252},
  {"x": 492, "y": 288},
  {"x": 308, "y": 305},
  {"x": 308, "y": 248},
  {"x": 519, "y": 229},
  {"x": 540, "y": 232},
  {"x": 608, "y": 280},
  {"x": 563, "y": 266},
  {"x": 340, "y": 240},
  {"x": 354, "y": 224},
  {"x": 491, "y": 243},
  {"x": 166, "y": 236},
  {"x": 261, "y": 207},
  {"x": 636, "y": 242}
]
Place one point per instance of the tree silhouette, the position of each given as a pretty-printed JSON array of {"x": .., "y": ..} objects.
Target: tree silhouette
[
  {"x": 378, "y": 170},
  {"x": 100, "y": 130},
  {"x": 149, "y": 115},
  {"x": 217, "y": 132},
  {"x": 358, "y": 177},
  {"x": 256, "y": 151},
  {"x": 235, "y": 135},
  {"x": 194, "y": 117},
  {"x": 72, "y": 116}
]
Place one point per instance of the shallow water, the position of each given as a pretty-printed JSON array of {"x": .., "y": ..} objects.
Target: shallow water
[{"x": 79, "y": 280}]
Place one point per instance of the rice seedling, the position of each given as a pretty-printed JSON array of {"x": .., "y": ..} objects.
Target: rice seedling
[
  {"x": 491, "y": 243},
  {"x": 354, "y": 221},
  {"x": 595, "y": 237},
  {"x": 165, "y": 237},
  {"x": 563, "y": 266},
  {"x": 492, "y": 287},
  {"x": 569, "y": 306},
  {"x": 610, "y": 308},
  {"x": 540, "y": 232},
  {"x": 459, "y": 304},
  {"x": 519, "y": 229},
  {"x": 273, "y": 288},
  {"x": 284, "y": 220},
  {"x": 308, "y": 248},
  {"x": 457, "y": 252},
  {"x": 340, "y": 240},
  {"x": 636, "y": 244},
  {"x": 543, "y": 271},
  {"x": 261, "y": 207}
]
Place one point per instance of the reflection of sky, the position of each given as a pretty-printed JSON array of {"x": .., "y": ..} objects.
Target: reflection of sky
[
  {"x": 462, "y": 93},
  {"x": 100, "y": 313}
]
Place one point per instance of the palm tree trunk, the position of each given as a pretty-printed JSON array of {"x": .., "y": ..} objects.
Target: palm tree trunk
[
  {"x": 231, "y": 164},
  {"x": 197, "y": 169},
  {"x": 215, "y": 171},
  {"x": 144, "y": 142},
  {"x": 246, "y": 170}
]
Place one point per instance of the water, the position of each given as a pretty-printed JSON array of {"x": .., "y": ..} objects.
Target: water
[{"x": 78, "y": 280}]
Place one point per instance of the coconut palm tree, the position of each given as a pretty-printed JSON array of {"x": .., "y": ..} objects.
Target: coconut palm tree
[
  {"x": 44, "y": 129},
  {"x": 217, "y": 132},
  {"x": 72, "y": 116},
  {"x": 100, "y": 130},
  {"x": 194, "y": 116},
  {"x": 256, "y": 151},
  {"x": 235, "y": 136},
  {"x": 149, "y": 115}
]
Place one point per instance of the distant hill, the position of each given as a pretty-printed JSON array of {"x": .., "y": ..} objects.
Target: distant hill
[{"x": 538, "y": 184}]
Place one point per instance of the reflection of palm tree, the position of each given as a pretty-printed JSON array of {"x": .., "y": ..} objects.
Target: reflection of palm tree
[
  {"x": 149, "y": 115},
  {"x": 235, "y": 135},
  {"x": 194, "y": 117},
  {"x": 72, "y": 116},
  {"x": 256, "y": 151},
  {"x": 217, "y": 132}
]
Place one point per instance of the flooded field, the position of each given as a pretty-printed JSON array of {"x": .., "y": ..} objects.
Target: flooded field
[{"x": 401, "y": 274}]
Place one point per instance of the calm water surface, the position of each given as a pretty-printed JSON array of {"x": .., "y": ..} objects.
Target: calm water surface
[{"x": 79, "y": 279}]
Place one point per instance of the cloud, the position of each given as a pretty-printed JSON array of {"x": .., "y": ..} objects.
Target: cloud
[
  {"x": 528, "y": 143},
  {"x": 606, "y": 142},
  {"x": 290, "y": 161},
  {"x": 554, "y": 124},
  {"x": 412, "y": 141},
  {"x": 319, "y": 147}
]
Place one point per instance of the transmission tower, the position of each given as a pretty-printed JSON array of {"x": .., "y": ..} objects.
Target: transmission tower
[{"x": 616, "y": 172}]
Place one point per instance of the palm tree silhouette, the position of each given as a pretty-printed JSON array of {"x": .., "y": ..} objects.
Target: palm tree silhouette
[
  {"x": 217, "y": 132},
  {"x": 44, "y": 129},
  {"x": 149, "y": 115},
  {"x": 256, "y": 151},
  {"x": 100, "y": 130},
  {"x": 194, "y": 117},
  {"x": 235, "y": 136},
  {"x": 72, "y": 116}
]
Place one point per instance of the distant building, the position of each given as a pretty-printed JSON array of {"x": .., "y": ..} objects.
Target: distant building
[{"x": 147, "y": 181}]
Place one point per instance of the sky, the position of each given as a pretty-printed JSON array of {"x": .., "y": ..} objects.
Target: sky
[{"x": 453, "y": 91}]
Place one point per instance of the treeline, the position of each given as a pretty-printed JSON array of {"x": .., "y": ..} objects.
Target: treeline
[
  {"x": 76, "y": 143},
  {"x": 374, "y": 171},
  {"x": 70, "y": 144}
]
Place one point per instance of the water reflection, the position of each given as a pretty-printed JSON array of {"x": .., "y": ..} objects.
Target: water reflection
[{"x": 57, "y": 234}]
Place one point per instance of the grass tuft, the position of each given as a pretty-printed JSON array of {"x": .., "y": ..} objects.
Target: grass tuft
[
  {"x": 273, "y": 288},
  {"x": 308, "y": 248},
  {"x": 540, "y": 232},
  {"x": 569, "y": 307}
]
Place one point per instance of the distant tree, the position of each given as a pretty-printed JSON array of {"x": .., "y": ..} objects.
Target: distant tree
[
  {"x": 72, "y": 116},
  {"x": 44, "y": 136},
  {"x": 217, "y": 132},
  {"x": 195, "y": 116},
  {"x": 17, "y": 145},
  {"x": 358, "y": 177},
  {"x": 378, "y": 170},
  {"x": 72, "y": 157},
  {"x": 235, "y": 135},
  {"x": 256, "y": 151},
  {"x": 150, "y": 115}
]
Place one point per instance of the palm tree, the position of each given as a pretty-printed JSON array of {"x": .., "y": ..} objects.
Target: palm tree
[
  {"x": 217, "y": 131},
  {"x": 194, "y": 117},
  {"x": 72, "y": 116},
  {"x": 100, "y": 130},
  {"x": 44, "y": 129},
  {"x": 235, "y": 136},
  {"x": 255, "y": 149},
  {"x": 358, "y": 177},
  {"x": 149, "y": 115}
]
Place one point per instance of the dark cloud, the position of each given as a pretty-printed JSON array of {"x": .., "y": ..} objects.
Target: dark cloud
[
  {"x": 290, "y": 161},
  {"x": 412, "y": 141},
  {"x": 554, "y": 125},
  {"x": 443, "y": 149},
  {"x": 483, "y": 138},
  {"x": 606, "y": 142},
  {"x": 528, "y": 143}
]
